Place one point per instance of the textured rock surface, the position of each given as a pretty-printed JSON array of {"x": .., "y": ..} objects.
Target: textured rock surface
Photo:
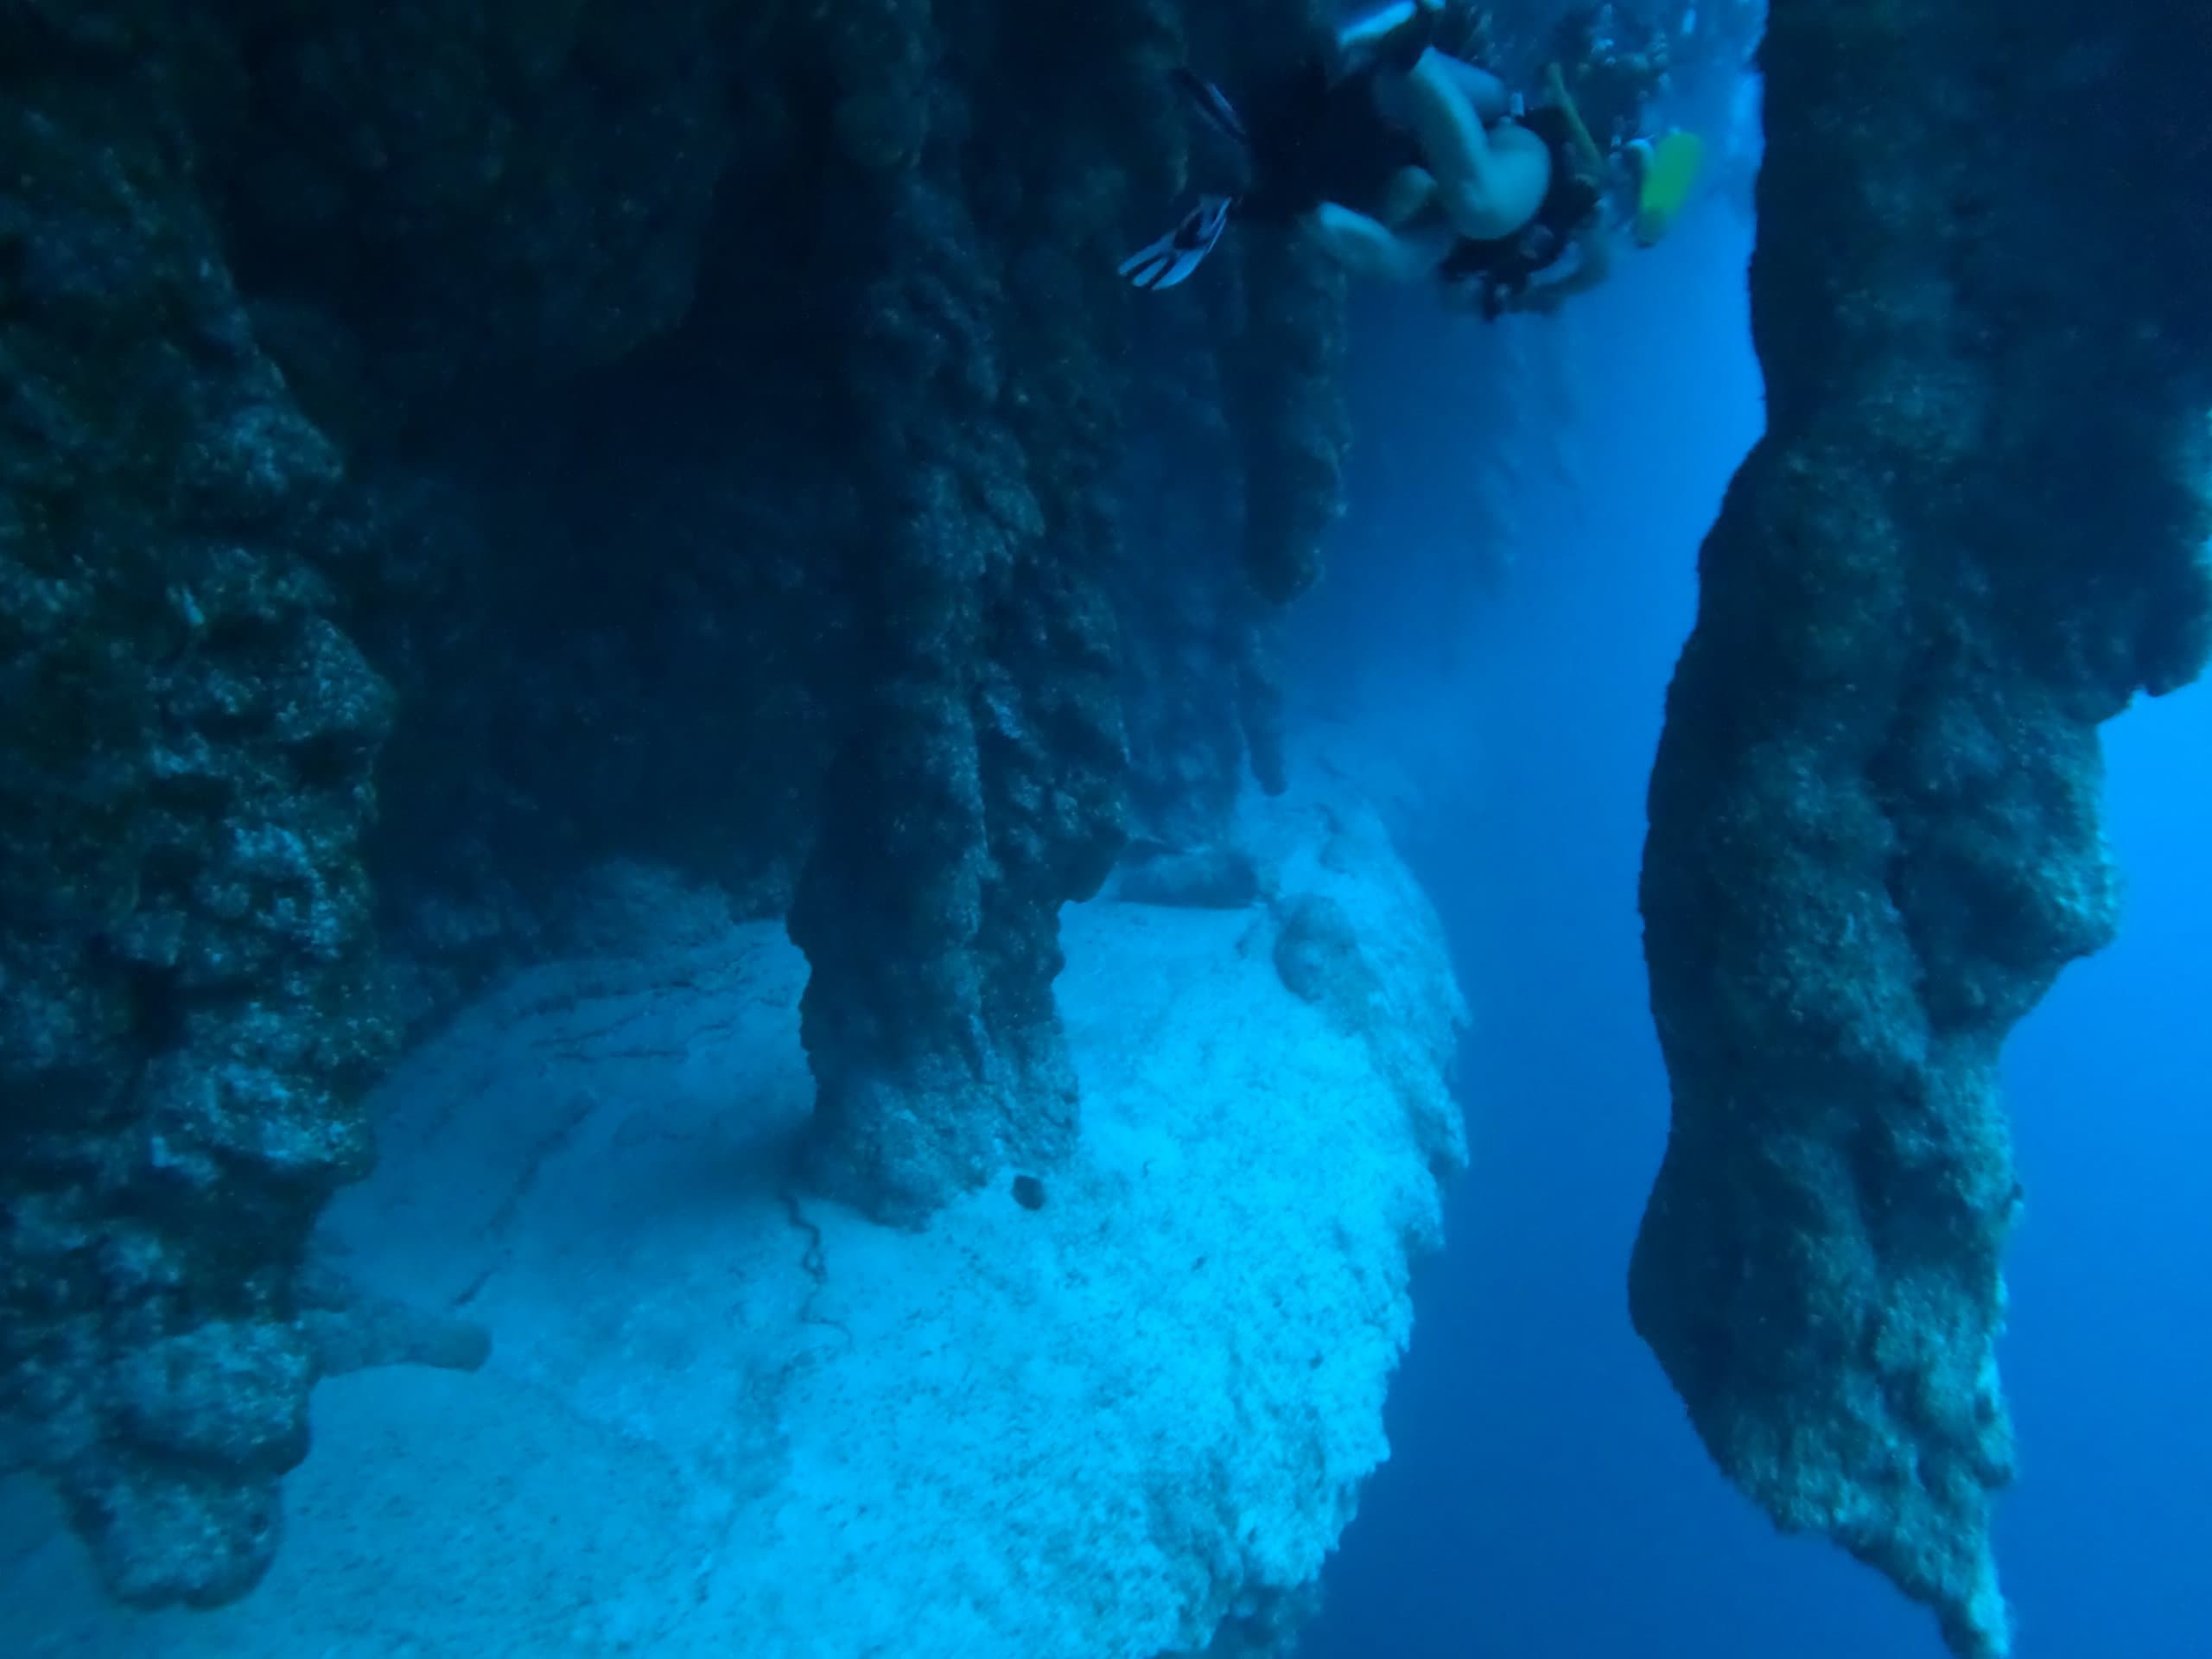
[
  {"x": 1973, "y": 532},
  {"x": 596, "y": 136},
  {"x": 722, "y": 1417},
  {"x": 1285, "y": 318},
  {"x": 188, "y": 1009},
  {"x": 982, "y": 780},
  {"x": 1238, "y": 395},
  {"x": 690, "y": 437},
  {"x": 1199, "y": 692},
  {"x": 982, "y": 784},
  {"x": 1216, "y": 877}
]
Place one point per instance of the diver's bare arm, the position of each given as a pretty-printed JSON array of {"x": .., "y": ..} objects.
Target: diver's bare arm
[
  {"x": 1596, "y": 242},
  {"x": 1597, "y": 263},
  {"x": 1367, "y": 247}
]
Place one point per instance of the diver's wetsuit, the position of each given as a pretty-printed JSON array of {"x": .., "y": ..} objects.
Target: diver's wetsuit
[
  {"x": 1505, "y": 265},
  {"x": 1321, "y": 135},
  {"x": 1314, "y": 139}
]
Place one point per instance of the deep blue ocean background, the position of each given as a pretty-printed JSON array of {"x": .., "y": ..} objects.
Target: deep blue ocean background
[{"x": 1547, "y": 1498}]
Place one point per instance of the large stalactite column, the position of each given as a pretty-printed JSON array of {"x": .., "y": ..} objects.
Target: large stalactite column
[
  {"x": 190, "y": 1005},
  {"x": 1972, "y": 533},
  {"x": 981, "y": 786}
]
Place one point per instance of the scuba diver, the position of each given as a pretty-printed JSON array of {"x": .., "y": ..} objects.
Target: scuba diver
[
  {"x": 1336, "y": 131},
  {"x": 1492, "y": 275},
  {"x": 1639, "y": 181},
  {"x": 1413, "y": 163}
]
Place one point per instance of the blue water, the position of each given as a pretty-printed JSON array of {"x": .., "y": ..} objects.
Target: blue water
[{"x": 1546, "y": 1498}]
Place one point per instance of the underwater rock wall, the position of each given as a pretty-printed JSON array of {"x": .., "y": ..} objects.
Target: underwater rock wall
[
  {"x": 453, "y": 447},
  {"x": 986, "y": 782},
  {"x": 1183, "y": 613},
  {"x": 1242, "y": 435},
  {"x": 478, "y": 190},
  {"x": 1201, "y": 687},
  {"x": 536, "y": 268},
  {"x": 188, "y": 1005},
  {"x": 1282, "y": 359},
  {"x": 983, "y": 784},
  {"x": 1973, "y": 531}
]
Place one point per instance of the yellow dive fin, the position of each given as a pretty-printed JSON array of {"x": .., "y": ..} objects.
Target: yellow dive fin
[{"x": 1669, "y": 172}]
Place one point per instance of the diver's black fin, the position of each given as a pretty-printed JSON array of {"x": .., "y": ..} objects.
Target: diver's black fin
[
  {"x": 1211, "y": 101},
  {"x": 1176, "y": 255}
]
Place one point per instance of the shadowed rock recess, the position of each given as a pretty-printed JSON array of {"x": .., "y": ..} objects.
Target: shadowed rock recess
[
  {"x": 1973, "y": 531},
  {"x": 448, "y": 450}
]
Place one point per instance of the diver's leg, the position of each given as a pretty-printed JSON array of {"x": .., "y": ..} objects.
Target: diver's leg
[
  {"x": 1485, "y": 193},
  {"x": 1484, "y": 92},
  {"x": 1410, "y": 193},
  {"x": 1451, "y": 138},
  {"x": 1477, "y": 91},
  {"x": 1366, "y": 247}
]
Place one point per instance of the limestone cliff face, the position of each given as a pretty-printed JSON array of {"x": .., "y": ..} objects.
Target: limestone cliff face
[
  {"x": 981, "y": 784},
  {"x": 973, "y": 175},
  {"x": 188, "y": 1009},
  {"x": 1973, "y": 532},
  {"x": 449, "y": 448}
]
